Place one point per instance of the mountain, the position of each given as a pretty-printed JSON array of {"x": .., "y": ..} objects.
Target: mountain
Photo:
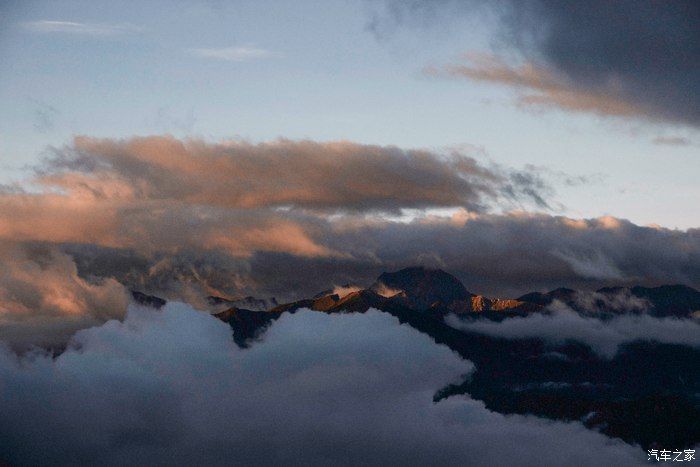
[
  {"x": 432, "y": 292},
  {"x": 543, "y": 299},
  {"x": 247, "y": 324},
  {"x": 670, "y": 300},
  {"x": 147, "y": 300},
  {"x": 646, "y": 394},
  {"x": 678, "y": 301},
  {"x": 358, "y": 301},
  {"x": 418, "y": 289},
  {"x": 422, "y": 288},
  {"x": 437, "y": 292},
  {"x": 249, "y": 303}
]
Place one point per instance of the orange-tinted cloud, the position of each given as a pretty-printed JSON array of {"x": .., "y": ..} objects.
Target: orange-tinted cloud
[
  {"x": 44, "y": 301},
  {"x": 538, "y": 86},
  {"x": 305, "y": 174},
  {"x": 162, "y": 194}
]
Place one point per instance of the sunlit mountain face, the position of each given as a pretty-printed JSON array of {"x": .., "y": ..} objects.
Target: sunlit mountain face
[{"x": 349, "y": 232}]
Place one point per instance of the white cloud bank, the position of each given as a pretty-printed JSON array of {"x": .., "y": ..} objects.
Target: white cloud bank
[
  {"x": 171, "y": 388},
  {"x": 604, "y": 337}
]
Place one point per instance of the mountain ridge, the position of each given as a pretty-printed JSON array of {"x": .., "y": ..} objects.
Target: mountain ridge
[
  {"x": 564, "y": 381},
  {"x": 437, "y": 292}
]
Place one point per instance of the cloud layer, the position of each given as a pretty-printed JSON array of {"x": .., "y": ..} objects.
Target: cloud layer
[
  {"x": 604, "y": 336},
  {"x": 283, "y": 173},
  {"x": 189, "y": 219},
  {"x": 501, "y": 255},
  {"x": 171, "y": 387},
  {"x": 623, "y": 58}
]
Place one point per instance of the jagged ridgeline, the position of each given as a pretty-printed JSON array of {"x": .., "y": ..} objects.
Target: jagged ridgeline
[{"x": 646, "y": 393}]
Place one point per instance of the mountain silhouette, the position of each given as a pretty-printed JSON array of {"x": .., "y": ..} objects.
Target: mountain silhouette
[{"x": 646, "y": 394}]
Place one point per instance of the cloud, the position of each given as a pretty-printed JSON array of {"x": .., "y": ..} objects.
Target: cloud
[
  {"x": 43, "y": 301},
  {"x": 624, "y": 58},
  {"x": 599, "y": 304},
  {"x": 342, "y": 291},
  {"x": 591, "y": 264},
  {"x": 171, "y": 387},
  {"x": 188, "y": 219},
  {"x": 540, "y": 88},
  {"x": 497, "y": 255},
  {"x": 181, "y": 218},
  {"x": 604, "y": 336},
  {"x": 109, "y": 214},
  {"x": 284, "y": 173},
  {"x": 72, "y": 27},
  {"x": 231, "y": 54},
  {"x": 645, "y": 53},
  {"x": 671, "y": 141}
]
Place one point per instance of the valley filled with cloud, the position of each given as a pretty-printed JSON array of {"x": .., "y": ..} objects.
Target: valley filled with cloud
[
  {"x": 171, "y": 387},
  {"x": 349, "y": 232}
]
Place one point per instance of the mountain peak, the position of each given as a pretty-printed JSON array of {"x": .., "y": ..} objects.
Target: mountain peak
[{"x": 422, "y": 287}]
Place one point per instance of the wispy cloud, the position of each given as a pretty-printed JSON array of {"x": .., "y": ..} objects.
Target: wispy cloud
[
  {"x": 604, "y": 336},
  {"x": 540, "y": 87},
  {"x": 671, "y": 141},
  {"x": 231, "y": 54},
  {"x": 72, "y": 27}
]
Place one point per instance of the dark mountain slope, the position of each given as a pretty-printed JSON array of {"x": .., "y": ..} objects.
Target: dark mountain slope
[
  {"x": 644, "y": 381},
  {"x": 422, "y": 288},
  {"x": 663, "y": 301}
]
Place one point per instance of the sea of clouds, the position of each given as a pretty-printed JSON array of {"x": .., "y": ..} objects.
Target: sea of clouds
[{"x": 171, "y": 388}]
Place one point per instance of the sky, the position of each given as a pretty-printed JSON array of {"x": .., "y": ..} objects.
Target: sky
[
  {"x": 276, "y": 149},
  {"x": 359, "y": 71}
]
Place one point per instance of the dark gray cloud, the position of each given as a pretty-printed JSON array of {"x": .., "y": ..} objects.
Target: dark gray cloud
[
  {"x": 497, "y": 255},
  {"x": 501, "y": 255},
  {"x": 644, "y": 52},
  {"x": 171, "y": 388},
  {"x": 625, "y": 57}
]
